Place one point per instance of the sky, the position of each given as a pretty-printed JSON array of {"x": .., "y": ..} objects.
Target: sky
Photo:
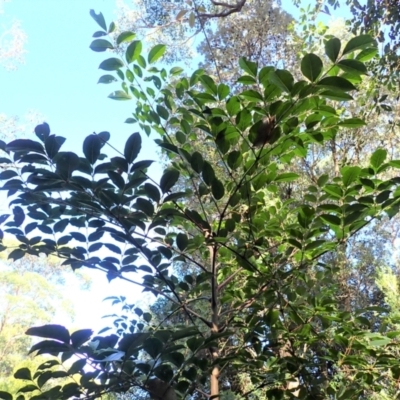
[{"x": 59, "y": 81}]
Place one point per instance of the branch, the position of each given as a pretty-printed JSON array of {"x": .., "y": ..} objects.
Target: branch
[{"x": 229, "y": 9}]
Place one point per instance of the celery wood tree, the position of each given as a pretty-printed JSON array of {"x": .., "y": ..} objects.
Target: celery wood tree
[{"x": 259, "y": 313}]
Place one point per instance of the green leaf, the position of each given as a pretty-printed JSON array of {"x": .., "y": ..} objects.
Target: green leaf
[
  {"x": 181, "y": 241},
  {"x": 353, "y": 67},
  {"x": 153, "y": 347},
  {"x": 162, "y": 112},
  {"x": 359, "y": 42},
  {"x": 133, "y": 51},
  {"x": 283, "y": 79},
  {"x": 217, "y": 189},
  {"x": 336, "y": 82},
  {"x": 208, "y": 84},
  {"x": 349, "y": 174},
  {"x": 380, "y": 342},
  {"x": 156, "y": 52},
  {"x": 78, "y": 338},
  {"x": 208, "y": 173},
  {"x": 77, "y": 366},
  {"x": 352, "y": 123},
  {"x": 311, "y": 66},
  {"x": 107, "y": 79},
  {"x": 125, "y": 37},
  {"x": 42, "y": 131},
  {"x": 101, "y": 45},
  {"x": 132, "y": 147},
  {"x": 5, "y": 396},
  {"x": 196, "y": 162},
  {"x": 66, "y": 163},
  {"x": 286, "y": 177},
  {"x": 28, "y": 388},
  {"x": 331, "y": 219},
  {"x": 337, "y": 95},
  {"x": 223, "y": 91},
  {"x": 53, "y": 144},
  {"x": 23, "y": 373},
  {"x": 111, "y": 64},
  {"x": 50, "y": 331},
  {"x": 99, "y": 19},
  {"x": 169, "y": 178},
  {"x": 248, "y": 66},
  {"x": 332, "y": 49},
  {"x": 234, "y": 159},
  {"x": 367, "y": 54},
  {"x": 251, "y": 95},
  {"x": 25, "y": 145},
  {"x": 378, "y": 158},
  {"x": 91, "y": 148},
  {"x": 119, "y": 95}
]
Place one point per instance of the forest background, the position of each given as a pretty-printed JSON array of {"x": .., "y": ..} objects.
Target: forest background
[{"x": 365, "y": 265}]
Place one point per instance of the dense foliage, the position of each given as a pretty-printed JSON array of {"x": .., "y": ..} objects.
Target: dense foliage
[{"x": 258, "y": 312}]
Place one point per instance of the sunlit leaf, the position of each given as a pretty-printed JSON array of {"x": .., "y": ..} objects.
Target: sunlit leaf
[{"x": 156, "y": 53}]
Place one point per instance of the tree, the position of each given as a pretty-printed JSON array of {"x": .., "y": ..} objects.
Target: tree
[
  {"x": 26, "y": 299},
  {"x": 269, "y": 307}
]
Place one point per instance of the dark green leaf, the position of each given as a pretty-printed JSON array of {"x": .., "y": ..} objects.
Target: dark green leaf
[
  {"x": 111, "y": 64},
  {"x": 181, "y": 241},
  {"x": 25, "y": 145},
  {"x": 336, "y": 82},
  {"x": 332, "y": 49},
  {"x": 28, "y": 388},
  {"x": 352, "y": 67},
  {"x": 5, "y": 396},
  {"x": 78, "y": 338},
  {"x": 77, "y": 366},
  {"x": 217, "y": 189},
  {"x": 359, "y": 42},
  {"x": 234, "y": 159},
  {"x": 99, "y": 19},
  {"x": 107, "y": 79},
  {"x": 153, "y": 347},
  {"x": 23, "y": 373},
  {"x": 42, "y": 131},
  {"x": 91, "y": 148},
  {"x": 311, "y": 66},
  {"x": 132, "y": 147},
  {"x": 50, "y": 331},
  {"x": 208, "y": 173},
  {"x": 101, "y": 45},
  {"x": 53, "y": 144},
  {"x": 66, "y": 163},
  {"x": 169, "y": 178},
  {"x": 197, "y": 162}
]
